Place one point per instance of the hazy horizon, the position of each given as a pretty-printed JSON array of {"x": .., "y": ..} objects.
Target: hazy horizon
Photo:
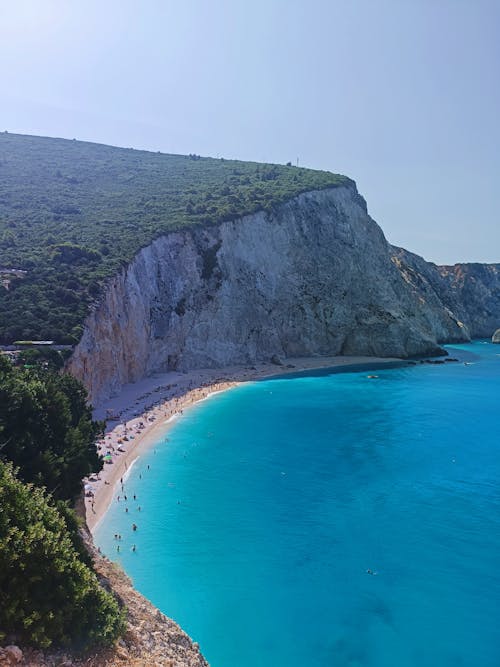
[{"x": 400, "y": 96}]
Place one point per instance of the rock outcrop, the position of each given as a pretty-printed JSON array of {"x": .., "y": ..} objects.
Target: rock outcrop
[
  {"x": 314, "y": 277},
  {"x": 476, "y": 287},
  {"x": 470, "y": 291}
]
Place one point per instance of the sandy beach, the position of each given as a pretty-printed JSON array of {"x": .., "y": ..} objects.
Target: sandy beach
[{"x": 144, "y": 411}]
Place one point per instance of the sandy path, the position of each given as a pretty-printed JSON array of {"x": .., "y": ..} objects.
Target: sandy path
[{"x": 142, "y": 413}]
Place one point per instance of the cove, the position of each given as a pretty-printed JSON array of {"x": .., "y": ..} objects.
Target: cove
[{"x": 266, "y": 506}]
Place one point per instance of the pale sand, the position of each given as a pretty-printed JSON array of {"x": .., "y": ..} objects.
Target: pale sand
[{"x": 155, "y": 402}]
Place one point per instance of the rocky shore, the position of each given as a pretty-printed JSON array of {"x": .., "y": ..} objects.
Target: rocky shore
[{"x": 151, "y": 639}]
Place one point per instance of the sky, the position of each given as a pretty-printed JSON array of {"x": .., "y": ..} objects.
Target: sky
[{"x": 403, "y": 96}]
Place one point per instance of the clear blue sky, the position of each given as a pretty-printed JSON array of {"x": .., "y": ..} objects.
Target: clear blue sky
[{"x": 401, "y": 95}]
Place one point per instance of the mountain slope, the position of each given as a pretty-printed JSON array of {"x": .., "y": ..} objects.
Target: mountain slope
[{"x": 73, "y": 213}]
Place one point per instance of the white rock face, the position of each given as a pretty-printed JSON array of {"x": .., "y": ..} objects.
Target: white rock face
[
  {"x": 315, "y": 277},
  {"x": 470, "y": 291}
]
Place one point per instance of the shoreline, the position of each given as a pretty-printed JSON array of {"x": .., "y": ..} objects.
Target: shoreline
[{"x": 143, "y": 412}]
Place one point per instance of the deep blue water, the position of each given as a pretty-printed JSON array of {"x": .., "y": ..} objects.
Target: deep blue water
[{"x": 268, "y": 504}]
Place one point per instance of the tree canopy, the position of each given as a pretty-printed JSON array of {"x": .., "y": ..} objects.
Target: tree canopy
[
  {"x": 46, "y": 428},
  {"x": 49, "y": 593}
]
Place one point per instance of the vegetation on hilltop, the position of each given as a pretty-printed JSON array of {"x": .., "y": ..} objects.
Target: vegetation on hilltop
[{"x": 72, "y": 213}]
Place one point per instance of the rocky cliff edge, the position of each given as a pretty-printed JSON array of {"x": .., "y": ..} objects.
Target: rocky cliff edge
[{"x": 315, "y": 276}]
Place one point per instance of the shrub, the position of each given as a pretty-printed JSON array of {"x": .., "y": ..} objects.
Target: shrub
[{"x": 47, "y": 594}]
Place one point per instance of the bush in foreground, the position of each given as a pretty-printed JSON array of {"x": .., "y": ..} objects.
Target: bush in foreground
[{"x": 47, "y": 594}]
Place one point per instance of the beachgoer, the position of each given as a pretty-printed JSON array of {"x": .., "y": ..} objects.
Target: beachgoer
[
  {"x": 126, "y": 510},
  {"x": 135, "y": 497},
  {"x": 134, "y": 527}
]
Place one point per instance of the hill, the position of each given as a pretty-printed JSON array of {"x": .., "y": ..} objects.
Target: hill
[{"x": 72, "y": 213}]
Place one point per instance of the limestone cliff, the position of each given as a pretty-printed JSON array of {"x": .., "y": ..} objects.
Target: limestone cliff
[
  {"x": 316, "y": 276},
  {"x": 470, "y": 291},
  {"x": 476, "y": 287}
]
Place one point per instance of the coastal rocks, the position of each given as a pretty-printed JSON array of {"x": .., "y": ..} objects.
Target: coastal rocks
[
  {"x": 496, "y": 337},
  {"x": 277, "y": 361},
  {"x": 314, "y": 277}
]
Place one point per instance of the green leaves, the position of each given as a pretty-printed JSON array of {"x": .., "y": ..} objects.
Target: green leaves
[
  {"x": 47, "y": 594},
  {"x": 46, "y": 428}
]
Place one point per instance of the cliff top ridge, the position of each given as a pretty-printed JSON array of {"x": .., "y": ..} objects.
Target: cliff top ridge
[{"x": 72, "y": 213}]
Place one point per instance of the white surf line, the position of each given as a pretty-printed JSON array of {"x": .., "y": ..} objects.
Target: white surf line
[
  {"x": 128, "y": 470},
  {"x": 116, "y": 488},
  {"x": 212, "y": 393},
  {"x": 172, "y": 418}
]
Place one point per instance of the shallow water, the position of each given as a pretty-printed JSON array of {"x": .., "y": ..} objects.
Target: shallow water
[{"x": 268, "y": 504}]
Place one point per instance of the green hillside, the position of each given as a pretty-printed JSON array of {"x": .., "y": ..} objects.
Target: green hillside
[{"x": 72, "y": 213}]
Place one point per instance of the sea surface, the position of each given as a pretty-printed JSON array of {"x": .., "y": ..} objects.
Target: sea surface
[{"x": 328, "y": 520}]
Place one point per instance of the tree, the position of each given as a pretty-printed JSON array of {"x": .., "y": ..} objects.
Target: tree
[
  {"x": 46, "y": 428},
  {"x": 47, "y": 594}
]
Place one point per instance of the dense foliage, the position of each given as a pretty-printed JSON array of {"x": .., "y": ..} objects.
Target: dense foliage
[
  {"x": 48, "y": 595},
  {"x": 46, "y": 428},
  {"x": 48, "y": 591},
  {"x": 72, "y": 213}
]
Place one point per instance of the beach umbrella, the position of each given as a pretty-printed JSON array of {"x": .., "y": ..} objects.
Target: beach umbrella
[{"x": 88, "y": 487}]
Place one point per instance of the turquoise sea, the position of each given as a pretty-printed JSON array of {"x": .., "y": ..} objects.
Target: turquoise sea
[{"x": 266, "y": 507}]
